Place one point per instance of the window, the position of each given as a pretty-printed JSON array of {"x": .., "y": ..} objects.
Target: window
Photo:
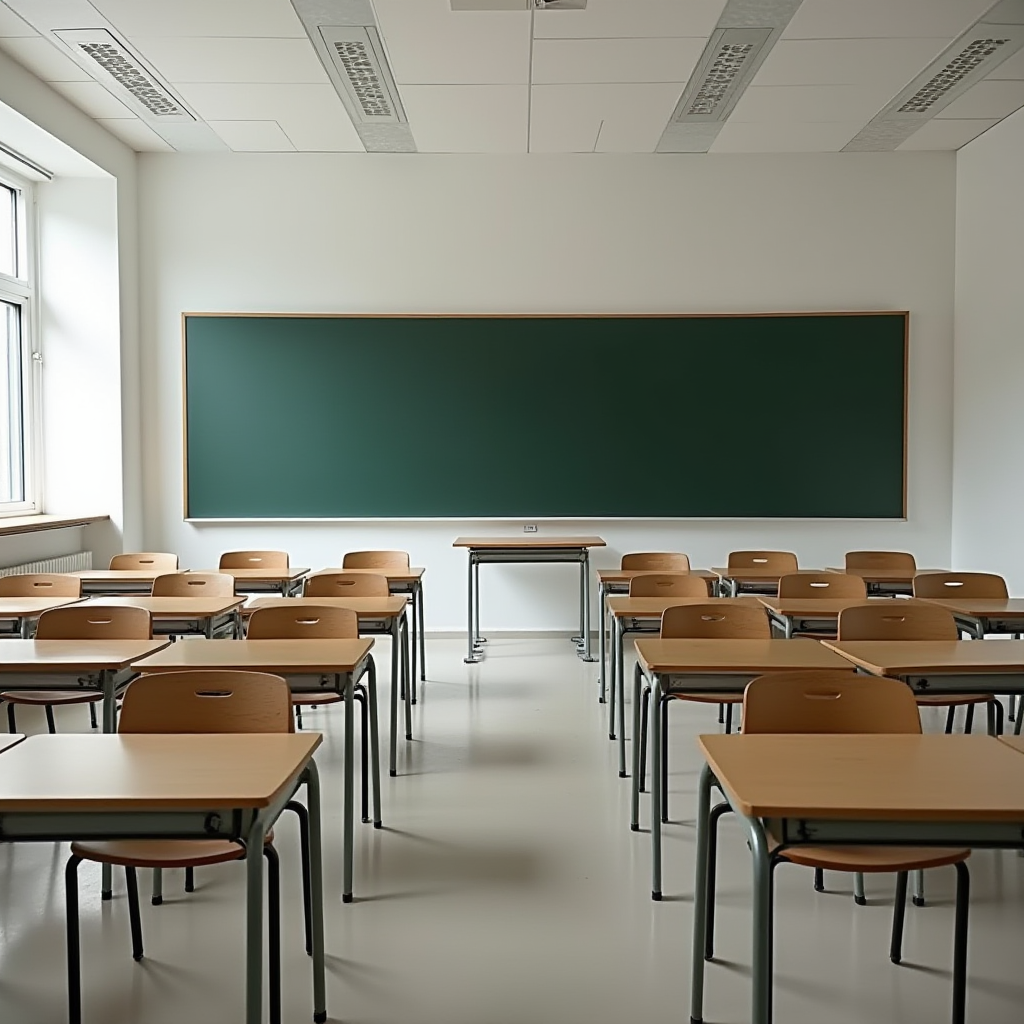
[{"x": 16, "y": 296}]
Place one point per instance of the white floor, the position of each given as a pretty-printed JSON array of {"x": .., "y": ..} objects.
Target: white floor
[{"x": 506, "y": 888}]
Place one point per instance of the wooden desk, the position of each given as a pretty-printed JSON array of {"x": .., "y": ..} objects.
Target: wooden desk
[
  {"x": 732, "y": 582},
  {"x": 285, "y": 582},
  {"x": 616, "y": 581},
  {"x": 529, "y": 548},
  {"x": 178, "y": 616},
  {"x": 22, "y": 612},
  {"x": 791, "y": 615},
  {"x": 704, "y": 666},
  {"x": 117, "y": 581},
  {"x": 979, "y": 616},
  {"x": 886, "y": 582},
  {"x": 311, "y": 666},
  {"x": 403, "y": 580},
  {"x": 378, "y": 616},
  {"x": 103, "y": 666},
  {"x": 9, "y": 739},
  {"x": 953, "y": 791},
  {"x": 1013, "y": 742},
  {"x": 229, "y": 787}
]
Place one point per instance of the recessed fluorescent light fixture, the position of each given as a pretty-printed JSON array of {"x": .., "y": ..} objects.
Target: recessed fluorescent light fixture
[{"x": 363, "y": 70}]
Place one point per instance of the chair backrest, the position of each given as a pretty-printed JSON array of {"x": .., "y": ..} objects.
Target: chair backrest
[
  {"x": 40, "y": 584},
  {"x": 194, "y": 584},
  {"x": 346, "y": 584},
  {"x": 716, "y": 620},
  {"x": 207, "y": 702},
  {"x": 311, "y": 622},
  {"x": 897, "y": 620},
  {"x": 822, "y": 584},
  {"x": 375, "y": 560},
  {"x": 656, "y": 561},
  {"x": 829, "y": 702},
  {"x": 960, "y": 584},
  {"x": 163, "y": 561},
  {"x": 254, "y": 560},
  {"x": 95, "y": 622},
  {"x": 776, "y": 561},
  {"x": 880, "y": 560},
  {"x": 675, "y": 585}
]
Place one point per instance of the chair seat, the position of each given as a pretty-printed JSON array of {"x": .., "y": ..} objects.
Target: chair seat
[
  {"x": 310, "y": 699},
  {"x": 871, "y": 859},
  {"x": 160, "y": 853},
  {"x": 707, "y": 698},
  {"x": 945, "y": 700},
  {"x": 51, "y": 696}
]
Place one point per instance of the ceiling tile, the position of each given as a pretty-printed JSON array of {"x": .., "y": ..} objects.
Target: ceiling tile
[
  {"x": 182, "y": 59},
  {"x": 600, "y": 118},
  {"x": 889, "y": 62},
  {"x": 1012, "y": 67},
  {"x": 93, "y": 99},
  {"x": 794, "y": 137},
  {"x": 253, "y": 136},
  {"x": 135, "y": 133},
  {"x": 12, "y": 25},
  {"x": 429, "y": 44},
  {"x": 312, "y": 116},
  {"x": 44, "y": 60},
  {"x": 622, "y": 19},
  {"x": 986, "y": 99},
  {"x": 810, "y": 103},
  {"x": 615, "y": 60},
  {"x": 865, "y": 19},
  {"x": 468, "y": 118},
  {"x": 274, "y": 19},
  {"x": 947, "y": 134}
]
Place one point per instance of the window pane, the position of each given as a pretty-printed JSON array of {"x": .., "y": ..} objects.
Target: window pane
[
  {"x": 8, "y": 231},
  {"x": 12, "y": 449}
]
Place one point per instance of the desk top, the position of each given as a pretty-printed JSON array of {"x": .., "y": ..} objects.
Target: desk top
[
  {"x": 652, "y": 607},
  {"x": 120, "y": 575},
  {"x": 261, "y": 575},
  {"x": 281, "y": 656},
  {"x": 625, "y": 575},
  {"x": 364, "y": 607},
  {"x": 817, "y": 607},
  {"x": 918, "y": 657},
  {"x": 981, "y": 607},
  {"x": 393, "y": 573},
  {"x": 1013, "y": 742},
  {"x": 8, "y": 740},
  {"x": 73, "y": 655},
  {"x": 29, "y": 607},
  {"x": 173, "y": 607},
  {"x": 163, "y": 772},
  {"x": 756, "y": 574},
  {"x": 866, "y": 777},
  {"x": 735, "y": 656},
  {"x": 884, "y": 575},
  {"x": 528, "y": 541}
]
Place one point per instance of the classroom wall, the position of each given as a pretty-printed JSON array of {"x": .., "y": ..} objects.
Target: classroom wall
[
  {"x": 988, "y": 486},
  {"x": 315, "y": 233}
]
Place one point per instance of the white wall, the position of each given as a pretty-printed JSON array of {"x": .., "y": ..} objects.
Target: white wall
[
  {"x": 312, "y": 233},
  {"x": 988, "y": 482}
]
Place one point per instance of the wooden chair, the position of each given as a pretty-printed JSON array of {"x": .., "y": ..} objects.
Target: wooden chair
[
  {"x": 839, "y": 702},
  {"x": 346, "y": 584},
  {"x": 323, "y": 622},
  {"x": 781, "y": 561},
  {"x": 822, "y": 584},
  {"x": 985, "y": 585},
  {"x": 254, "y": 560},
  {"x": 671, "y": 585},
  {"x": 656, "y": 561},
  {"x": 901, "y": 560},
  {"x": 40, "y": 584},
  {"x": 375, "y": 560},
  {"x": 161, "y": 560},
  {"x": 78, "y": 622},
  {"x": 194, "y": 584},
  {"x": 193, "y": 702}
]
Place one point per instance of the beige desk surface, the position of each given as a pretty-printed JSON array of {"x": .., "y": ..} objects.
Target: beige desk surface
[
  {"x": 917, "y": 657},
  {"x": 8, "y": 740},
  {"x": 73, "y": 655},
  {"x": 151, "y": 772},
  {"x": 29, "y": 607},
  {"x": 173, "y": 607},
  {"x": 282, "y": 656},
  {"x": 860, "y": 777},
  {"x": 120, "y": 575},
  {"x": 817, "y": 607},
  {"x": 625, "y": 575},
  {"x": 652, "y": 607},
  {"x": 885, "y": 575},
  {"x": 735, "y": 656},
  {"x": 394, "y": 575},
  {"x": 261, "y": 575},
  {"x": 528, "y": 541},
  {"x": 756, "y": 575},
  {"x": 1013, "y": 742},
  {"x": 979, "y": 606},
  {"x": 364, "y": 607}
]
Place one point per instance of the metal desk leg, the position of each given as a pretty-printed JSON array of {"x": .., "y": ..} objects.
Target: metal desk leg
[
  {"x": 471, "y": 653},
  {"x": 578, "y": 638},
  {"x": 393, "y": 756},
  {"x": 614, "y": 687},
  {"x": 371, "y": 694},
  {"x": 585, "y": 570},
  {"x": 402, "y": 651},
  {"x": 477, "y": 638},
  {"x": 620, "y": 680},
  {"x": 423, "y": 632},
  {"x": 254, "y": 924},
  {"x": 654, "y": 718},
  {"x": 106, "y": 680},
  {"x": 415, "y": 630},
  {"x": 348, "y": 810},
  {"x": 761, "y": 975},
  {"x": 700, "y": 896},
  {"x": 316, "y": 879},
  {"x": 634, "y": 816},
  {"x": 603, "y": 637}
]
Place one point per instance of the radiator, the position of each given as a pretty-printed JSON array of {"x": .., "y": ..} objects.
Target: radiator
[{"x": 62, "y": 563}]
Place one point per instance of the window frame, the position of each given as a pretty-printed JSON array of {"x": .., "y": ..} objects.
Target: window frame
[{"x": 22, "y": 292}]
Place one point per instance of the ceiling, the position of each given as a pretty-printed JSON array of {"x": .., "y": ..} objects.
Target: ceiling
[{"x": 605, "y": 79}]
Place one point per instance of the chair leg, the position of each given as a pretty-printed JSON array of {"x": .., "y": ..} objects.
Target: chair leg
[
  {"x": 918, "y": 898},
  {"x": 721, "y": 713},
  {"x": 92, "y": 714},
  {"x": 12, "y": 726},
  {"x": 858, "y": 890},
  {"x": 819, "y": 880},
  {"x": 307, "y": 899},
  {"x": 364, "y": 752},
  {"x": 274, "y": 932},
  {"x": 50, "y": 725},
  {"x": 950, "y": 714},
  {"x": 996, "y": 710},
  {"x": 134, "y": 917},
  {"x": 709, "y": 929},
  {"x": 645, "y": 700},
  {"x": 74, "y": 942},
  {"x": 298, "y": 716},
  {"x": 899, "y": 910},
  {"x": 190, "y": 880},
  {"x": 969, "y": 720},
  {"x": 664, "y": 761},
  {"x": 158, "y": 887},
  {"x": 728, "y": 719},
  {"x": 963, "y": 902}
]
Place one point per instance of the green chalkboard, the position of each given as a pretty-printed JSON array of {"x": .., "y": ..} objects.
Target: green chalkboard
[{"x": 767, "y": 416}]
